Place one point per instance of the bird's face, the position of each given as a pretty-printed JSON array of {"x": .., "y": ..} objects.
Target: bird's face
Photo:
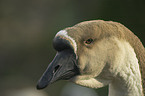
[{"x": 81, "y": 50}]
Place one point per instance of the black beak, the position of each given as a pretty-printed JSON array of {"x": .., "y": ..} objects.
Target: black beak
[{"x": 63, "y": 67}]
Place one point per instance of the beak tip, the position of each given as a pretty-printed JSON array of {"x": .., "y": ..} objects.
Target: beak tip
[{"x": 39, "y": 86}]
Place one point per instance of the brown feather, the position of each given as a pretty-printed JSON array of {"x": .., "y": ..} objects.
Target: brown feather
[{"x": 102, "y": 29}]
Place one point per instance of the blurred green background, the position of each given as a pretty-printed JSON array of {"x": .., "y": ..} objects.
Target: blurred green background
[{"x": 27, "y": 28}]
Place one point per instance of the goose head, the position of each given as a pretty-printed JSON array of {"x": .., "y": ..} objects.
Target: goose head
[{"x": 95, "y": 54}]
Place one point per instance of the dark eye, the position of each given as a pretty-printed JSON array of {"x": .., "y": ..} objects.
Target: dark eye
[{"x": 89, "y": 41}]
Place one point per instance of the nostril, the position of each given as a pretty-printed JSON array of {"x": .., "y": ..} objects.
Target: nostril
[{"x": 56, "y": 68}]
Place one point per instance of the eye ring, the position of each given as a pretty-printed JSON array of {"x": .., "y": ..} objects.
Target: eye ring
[{"x": 89, "y": 41}]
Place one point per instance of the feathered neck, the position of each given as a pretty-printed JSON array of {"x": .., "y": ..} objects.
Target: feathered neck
[{"x": 138, "y": 47}]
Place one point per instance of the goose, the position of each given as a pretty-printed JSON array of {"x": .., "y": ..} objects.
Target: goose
[{"x": 97, "y": 53}]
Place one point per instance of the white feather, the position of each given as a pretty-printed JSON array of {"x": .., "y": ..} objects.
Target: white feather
[{"x": 64, "y": 34}]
